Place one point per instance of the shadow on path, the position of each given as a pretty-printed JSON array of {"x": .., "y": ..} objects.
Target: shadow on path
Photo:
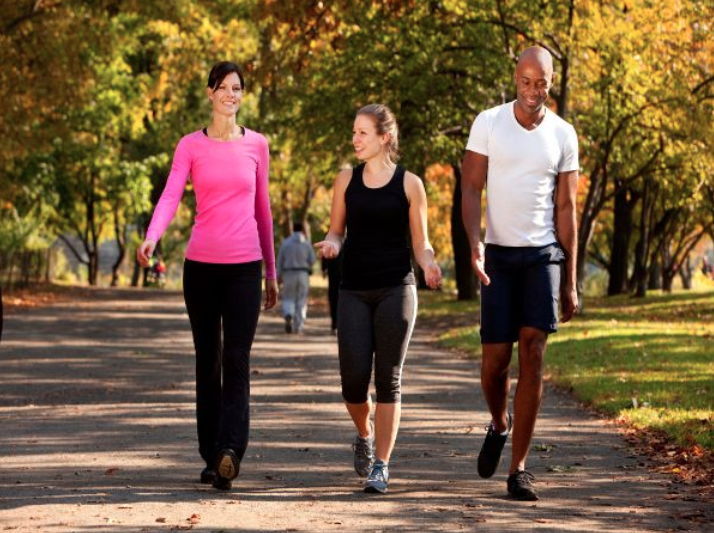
[{"x": 98, "y": 434}]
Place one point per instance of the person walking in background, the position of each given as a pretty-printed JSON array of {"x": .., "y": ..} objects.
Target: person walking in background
[
  {"x": 379, "y": 205},
  {"x": 526, "y": 157},
  {"x": 231, "y": 236},
  {"x": 295, "y": 260},
  {"x": 332, "y": 269}
]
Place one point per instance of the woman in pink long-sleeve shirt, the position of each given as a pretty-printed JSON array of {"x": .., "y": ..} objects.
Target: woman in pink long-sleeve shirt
[{"x": 231, "y": 237}]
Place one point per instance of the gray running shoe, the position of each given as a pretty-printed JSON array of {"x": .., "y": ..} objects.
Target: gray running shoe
[
  {"x": 364, "y": 453},
  {"x": 378, "y": 479}
]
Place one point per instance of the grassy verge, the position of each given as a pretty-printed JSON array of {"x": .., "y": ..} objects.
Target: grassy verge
[{"x": 648, "y": 362}]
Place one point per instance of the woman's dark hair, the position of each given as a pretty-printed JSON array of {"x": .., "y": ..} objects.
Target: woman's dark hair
[{"x": 220, "y": 71}]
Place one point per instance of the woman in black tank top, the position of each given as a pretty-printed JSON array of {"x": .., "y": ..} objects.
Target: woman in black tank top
[{"x": 379, "y": 207}]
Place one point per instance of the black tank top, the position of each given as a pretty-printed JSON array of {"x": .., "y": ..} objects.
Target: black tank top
[{"x": 376, "y": 250}]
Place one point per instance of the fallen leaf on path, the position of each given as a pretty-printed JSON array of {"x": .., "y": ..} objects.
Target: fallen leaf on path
[
  {"x": 111, "y": 471},
  {"x": 560, "y": 468},
  {"x": 161, "y": 520},
  {"x": 474, "y": 517}
]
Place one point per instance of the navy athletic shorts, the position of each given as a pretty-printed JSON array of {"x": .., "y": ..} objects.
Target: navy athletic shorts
[{"x": 524, "y": 291}]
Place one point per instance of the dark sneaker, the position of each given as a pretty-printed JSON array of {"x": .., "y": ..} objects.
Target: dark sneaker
[
  {"x": 491, "y": 449},
  {"x": 364, "y": 453},
  {"x": 520, "y": 486},
  {"x": 378, "y": 479},
  {"x": 289, "y": 324},
  {"x": 208, "y": 475}
]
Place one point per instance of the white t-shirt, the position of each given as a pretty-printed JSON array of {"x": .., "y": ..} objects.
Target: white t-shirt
[{"x": 522, "y": 168}]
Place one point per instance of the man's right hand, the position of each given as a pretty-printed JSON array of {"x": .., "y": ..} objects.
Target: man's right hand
[
  {"x": 478, "y": 258},
  {"x": 145, "y": 251}
]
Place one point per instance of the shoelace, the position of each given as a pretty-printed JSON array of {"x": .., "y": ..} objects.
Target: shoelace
[
  {"x": 377, "y": 473},
  {"x": 362, "y": 447},
  {"x": 525, "y": 477}
]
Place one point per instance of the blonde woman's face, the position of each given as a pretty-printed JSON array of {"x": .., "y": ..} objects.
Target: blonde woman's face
[{"x": 365, "y": 139}]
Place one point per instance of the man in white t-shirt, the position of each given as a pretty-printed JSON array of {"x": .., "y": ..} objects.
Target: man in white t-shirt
[{"x": 526, "y": 158}]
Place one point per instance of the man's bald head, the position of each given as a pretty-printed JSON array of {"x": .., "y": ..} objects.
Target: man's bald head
[
  {"x": 534, "y": 78},
  {"x": 536, "y": 56}
]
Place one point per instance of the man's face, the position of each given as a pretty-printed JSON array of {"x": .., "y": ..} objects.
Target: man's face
[{"x": 533, "y": 82}]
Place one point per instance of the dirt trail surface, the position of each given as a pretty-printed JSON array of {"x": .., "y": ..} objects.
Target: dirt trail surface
[{"x": 97, "y": 433}]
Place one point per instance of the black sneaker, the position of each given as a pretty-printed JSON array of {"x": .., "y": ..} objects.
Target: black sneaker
[
  {"x": 227, "y": 469},
  {"x": 208, "y": 475},
  {"x": 289, "y": 324},
  {"x": 493, "y": 444},
  {"x": 520, "y": 486}
]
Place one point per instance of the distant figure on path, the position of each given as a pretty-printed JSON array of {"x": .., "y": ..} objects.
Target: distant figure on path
[
  {"x": 379, "y": 205},
  {"x": 295, "y": 260},
  {"x": 231, "y": 237},
  {"x": 526, "y": 157}
]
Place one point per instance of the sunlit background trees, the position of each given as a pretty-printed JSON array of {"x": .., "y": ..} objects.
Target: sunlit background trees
[{"x": 94, "y": 96}]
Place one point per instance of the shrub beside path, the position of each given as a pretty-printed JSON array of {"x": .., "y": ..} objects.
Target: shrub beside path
[{"x": 97, "y": 433}]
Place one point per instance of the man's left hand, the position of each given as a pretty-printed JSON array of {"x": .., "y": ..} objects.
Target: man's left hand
[{"x": 568, "y": 304}]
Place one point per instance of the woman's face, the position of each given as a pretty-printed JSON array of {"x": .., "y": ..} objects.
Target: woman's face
[
  {"x": 226, "y": 98},
  {"x": 367, "y": 142}
]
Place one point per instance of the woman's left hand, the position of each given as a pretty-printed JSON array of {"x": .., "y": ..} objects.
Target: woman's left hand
[
  {"x": 271, "y": 294},
  {"x": 432, "y": 274}
]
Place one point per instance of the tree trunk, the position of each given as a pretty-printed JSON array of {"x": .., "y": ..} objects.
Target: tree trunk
[
  {"x": 668, "y": 273},
  {"x": 619, "y": 255},
  {"x": 91, "y": 236},
  {"x": 120, "y": 238},
  {"x": 48, "y": 265},
  {"x": 286, "y": 201},
  {"x": 135, "y": 273},
  {"x": 593, "y": 204},
  {"x": 466, "y": 282},
  {"x": 654, "y": 282},
  {"x": 685, "y": 274},
  {"x": 643, "y": 244},
  {"x": 141, "y": 230}
]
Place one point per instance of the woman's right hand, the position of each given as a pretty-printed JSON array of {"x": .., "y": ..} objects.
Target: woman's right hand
[
  {"x": 327, "y": 249},
  {"x": 145, "y": 251}
]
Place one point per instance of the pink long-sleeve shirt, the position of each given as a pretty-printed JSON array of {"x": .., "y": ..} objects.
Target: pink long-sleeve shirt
[{"x": 233, "y": 220}]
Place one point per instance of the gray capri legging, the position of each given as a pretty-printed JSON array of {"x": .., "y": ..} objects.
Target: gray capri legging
[{"x": 374, "y": 324}]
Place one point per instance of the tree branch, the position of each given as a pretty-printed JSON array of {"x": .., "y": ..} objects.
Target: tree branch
[{"x": 72, "y": 249}]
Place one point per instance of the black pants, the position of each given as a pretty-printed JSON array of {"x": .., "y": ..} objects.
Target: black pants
[
  {"x": 226, "y": 296},
  {"x": 333, "y": 294},
  {"x": 374, "y": 326}
]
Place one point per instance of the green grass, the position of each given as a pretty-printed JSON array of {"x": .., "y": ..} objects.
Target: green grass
[{"x": 649, "y": 362}]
